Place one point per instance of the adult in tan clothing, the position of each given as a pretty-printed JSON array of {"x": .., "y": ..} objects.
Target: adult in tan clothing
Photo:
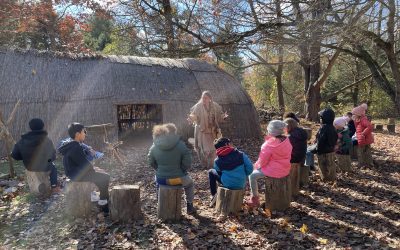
[{"x": 206, "y": 115}]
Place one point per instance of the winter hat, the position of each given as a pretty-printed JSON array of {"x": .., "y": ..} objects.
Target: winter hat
[
  {"x": 36, "y": 124},
  {"x": 275, "y": 127},
  {"x": 340, "y": 122},
  {"x": 360, "y": 110}
]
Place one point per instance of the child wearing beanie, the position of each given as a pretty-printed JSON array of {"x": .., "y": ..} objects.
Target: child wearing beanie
[
  {"x": 364, "y": 135},
  {"x": 343, "y": 144},
  {"x": 273, "y": 160}
]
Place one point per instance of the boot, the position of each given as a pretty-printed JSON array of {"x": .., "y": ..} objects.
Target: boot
[
  {"x": 191, "y": 209},
  {"x": 213, "y": 200},
  {"x": 254, "y": 201}
]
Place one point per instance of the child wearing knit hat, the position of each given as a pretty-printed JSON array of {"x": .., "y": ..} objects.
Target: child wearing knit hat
[
  {"x": 273, "y": 161},
  {"x": 364, "y": 135},
  {"x": 344, "y": 140}
]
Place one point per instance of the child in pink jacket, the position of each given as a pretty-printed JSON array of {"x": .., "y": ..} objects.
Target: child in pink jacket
[
  {"x": 274, "y": 159},
  {"x": 364, "y": 135}
]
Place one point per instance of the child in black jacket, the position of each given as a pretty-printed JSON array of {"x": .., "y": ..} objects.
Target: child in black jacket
[
  {"x": 77, "y": 166},
  {"x": 326, "y": 138}
]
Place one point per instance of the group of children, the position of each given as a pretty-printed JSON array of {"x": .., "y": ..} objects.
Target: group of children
[
  {"x": 285, "y": 144},
  {"x": 37, "y": 152}
]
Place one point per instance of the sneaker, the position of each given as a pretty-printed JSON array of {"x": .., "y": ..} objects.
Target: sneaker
[
  {"x": 254, "y": 201},
  {"x": 102, "y": 202},
  {"x": 103, "y": 205},
  {"x": 213, "y": 200},
  {"x": 191, "y": 209}
]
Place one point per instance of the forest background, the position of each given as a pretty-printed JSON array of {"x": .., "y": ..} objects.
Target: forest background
[{"x": 290, "y": 55}]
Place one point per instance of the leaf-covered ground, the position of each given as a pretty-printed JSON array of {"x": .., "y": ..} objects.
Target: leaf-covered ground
[{"x": 361, "y": 210}]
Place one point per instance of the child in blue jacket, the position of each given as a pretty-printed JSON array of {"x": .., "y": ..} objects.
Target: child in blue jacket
[{"x": 231, "y": 168}]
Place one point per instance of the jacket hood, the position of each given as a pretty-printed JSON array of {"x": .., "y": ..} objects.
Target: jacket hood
[
  {"x": 327, "y": 116},
  {"x": 275, "y": 143},
  {"x": 166, "y": 142},
  {"x": 223, "y": 151},
  {"x": 67, "y": 146},
  {"x": 299, "y": 134},
  {"x": 33, "y": 138}
]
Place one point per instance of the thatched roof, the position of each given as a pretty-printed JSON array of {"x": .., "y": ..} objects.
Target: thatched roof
[{"x": 49, "y": 83}]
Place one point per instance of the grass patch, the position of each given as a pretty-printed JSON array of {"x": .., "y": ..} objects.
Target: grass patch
[{"x": 20, "y": 169}]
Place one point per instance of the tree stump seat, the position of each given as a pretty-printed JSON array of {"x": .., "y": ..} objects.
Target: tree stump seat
[
  {"x": 169, "y": 207},
  {"x": 304, "y": 175},
  {"x": 343, "y": 162},
  {"x": 295, "y": 178},
  {"x": 391, "y": 128},
  {"x": 353, "y": 152},
  {"x": 39, "y": 183},
  {"x": 229, "y": 201},
  {"x": 77, "y": 198},
  {"x": 327, "y": 166},
  {"x": 277, "y": 193},
  {"x": 125, "y": 203},
  {"x": 378, "y": 127}
]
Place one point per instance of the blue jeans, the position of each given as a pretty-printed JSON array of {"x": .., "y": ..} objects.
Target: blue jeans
[
  {"x": 53, "y": 175},
  {"x": 213, "y": 178},
  {"x": 309, "y": 159}
]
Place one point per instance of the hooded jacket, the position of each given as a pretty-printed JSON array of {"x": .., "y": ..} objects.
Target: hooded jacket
[
  {"x": 327, "y": 135},
  {"x": 344, "y": 141},
  {"x": 298, "y": 139},
  {"x": 364, "y": 131},
  {"x": 169, "y": 156},
  {"x": 76, "y": 165},
  {"x": 36, "y": 151},
  {"x": 233, "y": 166},
  {"x": 274, "y": 158}
]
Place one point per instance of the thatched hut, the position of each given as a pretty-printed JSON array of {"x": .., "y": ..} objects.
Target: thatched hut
[{"x": 131, "y": 93}]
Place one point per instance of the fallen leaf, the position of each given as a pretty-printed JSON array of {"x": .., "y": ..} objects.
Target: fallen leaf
[{"x": 304, "y": 229}]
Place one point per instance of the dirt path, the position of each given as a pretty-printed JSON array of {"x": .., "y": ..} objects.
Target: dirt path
[{"x": 362, "y": 209}]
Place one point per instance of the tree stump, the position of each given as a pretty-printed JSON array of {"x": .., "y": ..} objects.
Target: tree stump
[
  {"x": 39, "y": 183},
  {"x": 391, "y": 121},
  {"x": 327, "y": 166},
  {"x": 229, "y": 201},
  {"x": 125, "y": 203},
  {"x": 364, "y": 155},
  {"x": 378, "y": 127},
  {"x": 343, "y": 162},
  {"x": 169, "y": 203},
  {"x": 391, "y": 128},
  {"x": 304, "y": 175},
  {"x": 277, "y": 193},
  {"x": 295, "y": 178},
  {"x": 353, "y": 152},
  {"x": 77, "y": 198},
  {"x": 309, "y": 133}
]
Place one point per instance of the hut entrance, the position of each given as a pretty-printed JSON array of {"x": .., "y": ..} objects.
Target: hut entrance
[{"x": 137, "y": 120}]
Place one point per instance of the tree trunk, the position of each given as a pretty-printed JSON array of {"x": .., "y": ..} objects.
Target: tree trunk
[
  {"x": 169, "y": 203},
  {"x": 169, "y": 28},
  {"x": 125, "y": 203},
  {"x": 229, "y": 201},
  {"x": 313, "y": 103},
  {"x": 279, "y": 86}
]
